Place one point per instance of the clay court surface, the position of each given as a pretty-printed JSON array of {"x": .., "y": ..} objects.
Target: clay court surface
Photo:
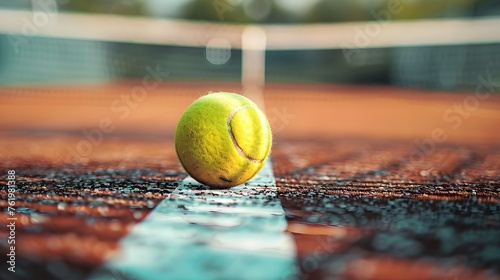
[{"x": 375, "y": 181}]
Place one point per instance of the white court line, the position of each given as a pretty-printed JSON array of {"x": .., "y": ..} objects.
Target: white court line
[{"x": 199, "y": 233}]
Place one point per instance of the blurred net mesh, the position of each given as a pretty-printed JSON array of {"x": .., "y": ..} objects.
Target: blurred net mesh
[
  {"x": 62, "y": 59},
  {"x": 65, "y": 60}
]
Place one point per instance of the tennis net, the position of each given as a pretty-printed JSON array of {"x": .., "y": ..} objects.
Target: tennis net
[{"x": 445, "y": 54}]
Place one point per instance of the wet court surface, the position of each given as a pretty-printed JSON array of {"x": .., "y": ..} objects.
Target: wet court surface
[
  {"x": 356, "y": 209},
  {"x": 367, "y": 188}
]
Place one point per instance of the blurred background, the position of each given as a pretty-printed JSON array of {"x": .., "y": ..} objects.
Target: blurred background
[
  {"x": 383, "y": 115},
  {"x": 451, "y": 66}
]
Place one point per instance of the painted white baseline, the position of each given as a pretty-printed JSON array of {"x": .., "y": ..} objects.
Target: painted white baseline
[{"x": 202, "y": 233}]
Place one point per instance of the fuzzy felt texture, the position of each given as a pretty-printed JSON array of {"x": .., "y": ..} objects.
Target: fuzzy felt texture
[{"x": 223, "y": 139}]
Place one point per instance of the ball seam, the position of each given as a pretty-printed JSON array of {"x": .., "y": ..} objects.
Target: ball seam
[{"x": 233, "y": 138}]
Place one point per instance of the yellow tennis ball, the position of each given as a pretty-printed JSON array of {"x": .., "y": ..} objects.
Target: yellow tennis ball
[{"x": 223, "y": 139}]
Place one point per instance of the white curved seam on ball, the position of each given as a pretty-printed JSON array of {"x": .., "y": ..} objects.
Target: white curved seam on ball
[{"x": 230, "y": 130}]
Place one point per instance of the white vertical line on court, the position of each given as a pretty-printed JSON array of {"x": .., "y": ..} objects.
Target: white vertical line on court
[{"x": 202, "y": 233}]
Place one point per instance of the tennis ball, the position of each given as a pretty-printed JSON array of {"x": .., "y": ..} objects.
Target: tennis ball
[{"x": 223, "y": 139}]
